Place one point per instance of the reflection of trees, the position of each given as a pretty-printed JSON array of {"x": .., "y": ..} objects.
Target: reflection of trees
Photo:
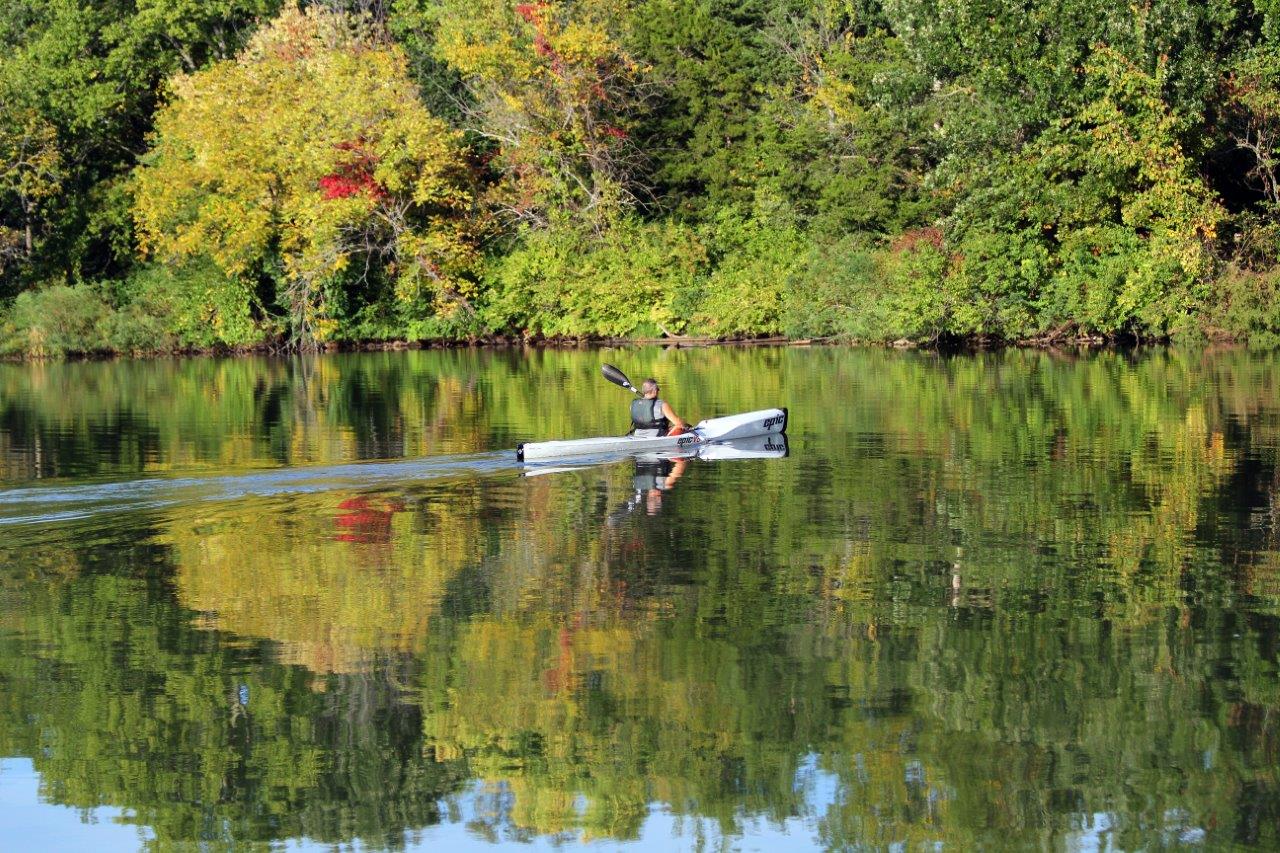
[
  {"x": 624, "y": 717},
  {"x": 123, "y": 702},
  {"x": 988, "y": 597},
  {"x": 1054, "y": 506},
  {"x": 293, "y": 574}
]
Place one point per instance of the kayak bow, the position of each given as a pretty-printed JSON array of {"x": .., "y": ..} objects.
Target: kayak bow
[{"x": 710, "y": 431}]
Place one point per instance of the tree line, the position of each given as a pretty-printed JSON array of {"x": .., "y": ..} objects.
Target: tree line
[{"x": 192, "y": 176}]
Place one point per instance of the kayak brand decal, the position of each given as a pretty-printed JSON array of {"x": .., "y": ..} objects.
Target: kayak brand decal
[
  {"x": 685, "y": 440},
  {"x": 770, "y": 423}
]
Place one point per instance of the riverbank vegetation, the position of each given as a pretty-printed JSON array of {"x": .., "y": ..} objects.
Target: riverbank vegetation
[{"x": 193, "y": 176}]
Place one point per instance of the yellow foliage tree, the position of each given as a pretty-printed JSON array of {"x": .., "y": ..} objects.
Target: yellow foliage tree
[
  {"x": 556, "y": 91},
  {"x": 31, "y": 172},
  {"x": 310, "y": 153}
]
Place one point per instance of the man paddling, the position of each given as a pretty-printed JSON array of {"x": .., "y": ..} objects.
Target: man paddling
[{"x": 651, "y": 416}]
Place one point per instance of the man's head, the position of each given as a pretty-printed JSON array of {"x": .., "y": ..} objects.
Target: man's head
[{"x": 649, "y": 388}]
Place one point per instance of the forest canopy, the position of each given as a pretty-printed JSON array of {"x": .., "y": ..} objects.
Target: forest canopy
[{"x": 179, "y": 175}]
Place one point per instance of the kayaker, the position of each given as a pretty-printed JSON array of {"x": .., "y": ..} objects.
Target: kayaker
[{"x": 653, "y": 416}]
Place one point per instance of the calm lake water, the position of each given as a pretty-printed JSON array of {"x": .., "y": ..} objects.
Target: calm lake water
[{"x": 1008, "y": 600}]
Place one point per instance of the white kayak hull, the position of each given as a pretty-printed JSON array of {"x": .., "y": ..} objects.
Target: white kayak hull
[
  {"x": 756, "y": 447},
  {"x": 711, "y": 431}
]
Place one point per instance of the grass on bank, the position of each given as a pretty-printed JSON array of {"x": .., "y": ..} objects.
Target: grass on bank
[{"x": 732, "y": 279}]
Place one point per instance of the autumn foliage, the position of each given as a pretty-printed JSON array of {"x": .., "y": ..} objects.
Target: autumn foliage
[
  {"x": 554, "y": 88},
  {"x": 355, "y": 176},
  {"x": 427, "y": 169},
  {"x": 310, "y": 158}
]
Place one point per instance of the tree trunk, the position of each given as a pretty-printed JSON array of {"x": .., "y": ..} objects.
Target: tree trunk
[{"x": 27, "y": 230}]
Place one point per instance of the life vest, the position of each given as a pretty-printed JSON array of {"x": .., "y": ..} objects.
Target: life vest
[{"x": 647, "y": 415}]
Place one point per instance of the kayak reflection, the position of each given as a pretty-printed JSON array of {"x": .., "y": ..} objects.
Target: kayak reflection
[{"x": 657, "y": 473}]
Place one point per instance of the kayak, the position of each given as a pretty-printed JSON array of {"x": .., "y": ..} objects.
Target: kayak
[
  {"x": 757, "y": 447},
  {"x": 709, "y": 432}
]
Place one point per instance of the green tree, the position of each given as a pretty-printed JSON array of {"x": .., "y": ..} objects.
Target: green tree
[
  {"x": 310, "y": 156},
  {"x": 1102, "y": 223},
  {"x": 859, "y": 117},
  {"x": 93, "y": 73},
  {"x": 1013, "y": 68},
  {"x": 1253, "y": 91},
  {"x": 715, "y": 65},
  {"x": 31, "y": 173}
]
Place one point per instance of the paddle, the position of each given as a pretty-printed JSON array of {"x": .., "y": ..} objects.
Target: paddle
[{"x": 617, "y": 377}]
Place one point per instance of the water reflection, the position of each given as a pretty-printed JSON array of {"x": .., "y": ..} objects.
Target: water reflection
[
  {"x": 1011, "y": 600},
  {"x": 657, "y": 473},
  {"x": 655, "y": 477},
  {"x": 366, "y": 520}
]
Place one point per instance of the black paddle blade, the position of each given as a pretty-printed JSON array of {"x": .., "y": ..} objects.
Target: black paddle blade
[{"x": 617, "y": 377}]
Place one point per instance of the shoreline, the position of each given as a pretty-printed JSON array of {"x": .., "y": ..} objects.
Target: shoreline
[
  {"x": 495, "y": 342},
  {"x": 502, "y": 342}
]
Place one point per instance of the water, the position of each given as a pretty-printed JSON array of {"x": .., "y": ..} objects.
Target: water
[{"x": 1005, "y": 600}]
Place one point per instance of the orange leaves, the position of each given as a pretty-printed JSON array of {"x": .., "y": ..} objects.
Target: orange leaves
[
  {"x": 917, "y": 238},
  {"x": 531, "y": 12}
]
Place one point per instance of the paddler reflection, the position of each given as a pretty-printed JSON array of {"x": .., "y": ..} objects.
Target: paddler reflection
[{"x": 655, "y": 477}]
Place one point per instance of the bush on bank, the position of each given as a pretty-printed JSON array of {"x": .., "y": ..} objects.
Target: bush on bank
[
  {"x": 735, "y": 277},
  {"x": 155, "y": 310}
]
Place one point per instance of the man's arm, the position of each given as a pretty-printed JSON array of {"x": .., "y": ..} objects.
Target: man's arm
[{"x": 671, "y": 416}]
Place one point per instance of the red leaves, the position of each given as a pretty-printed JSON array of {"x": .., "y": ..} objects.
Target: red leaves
[
  {"x": 345, "y": 186},
  {"x": 531, "y": 12},
  {"x": 354, "y": 177},
  {"x": 615, "y": 132}
]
